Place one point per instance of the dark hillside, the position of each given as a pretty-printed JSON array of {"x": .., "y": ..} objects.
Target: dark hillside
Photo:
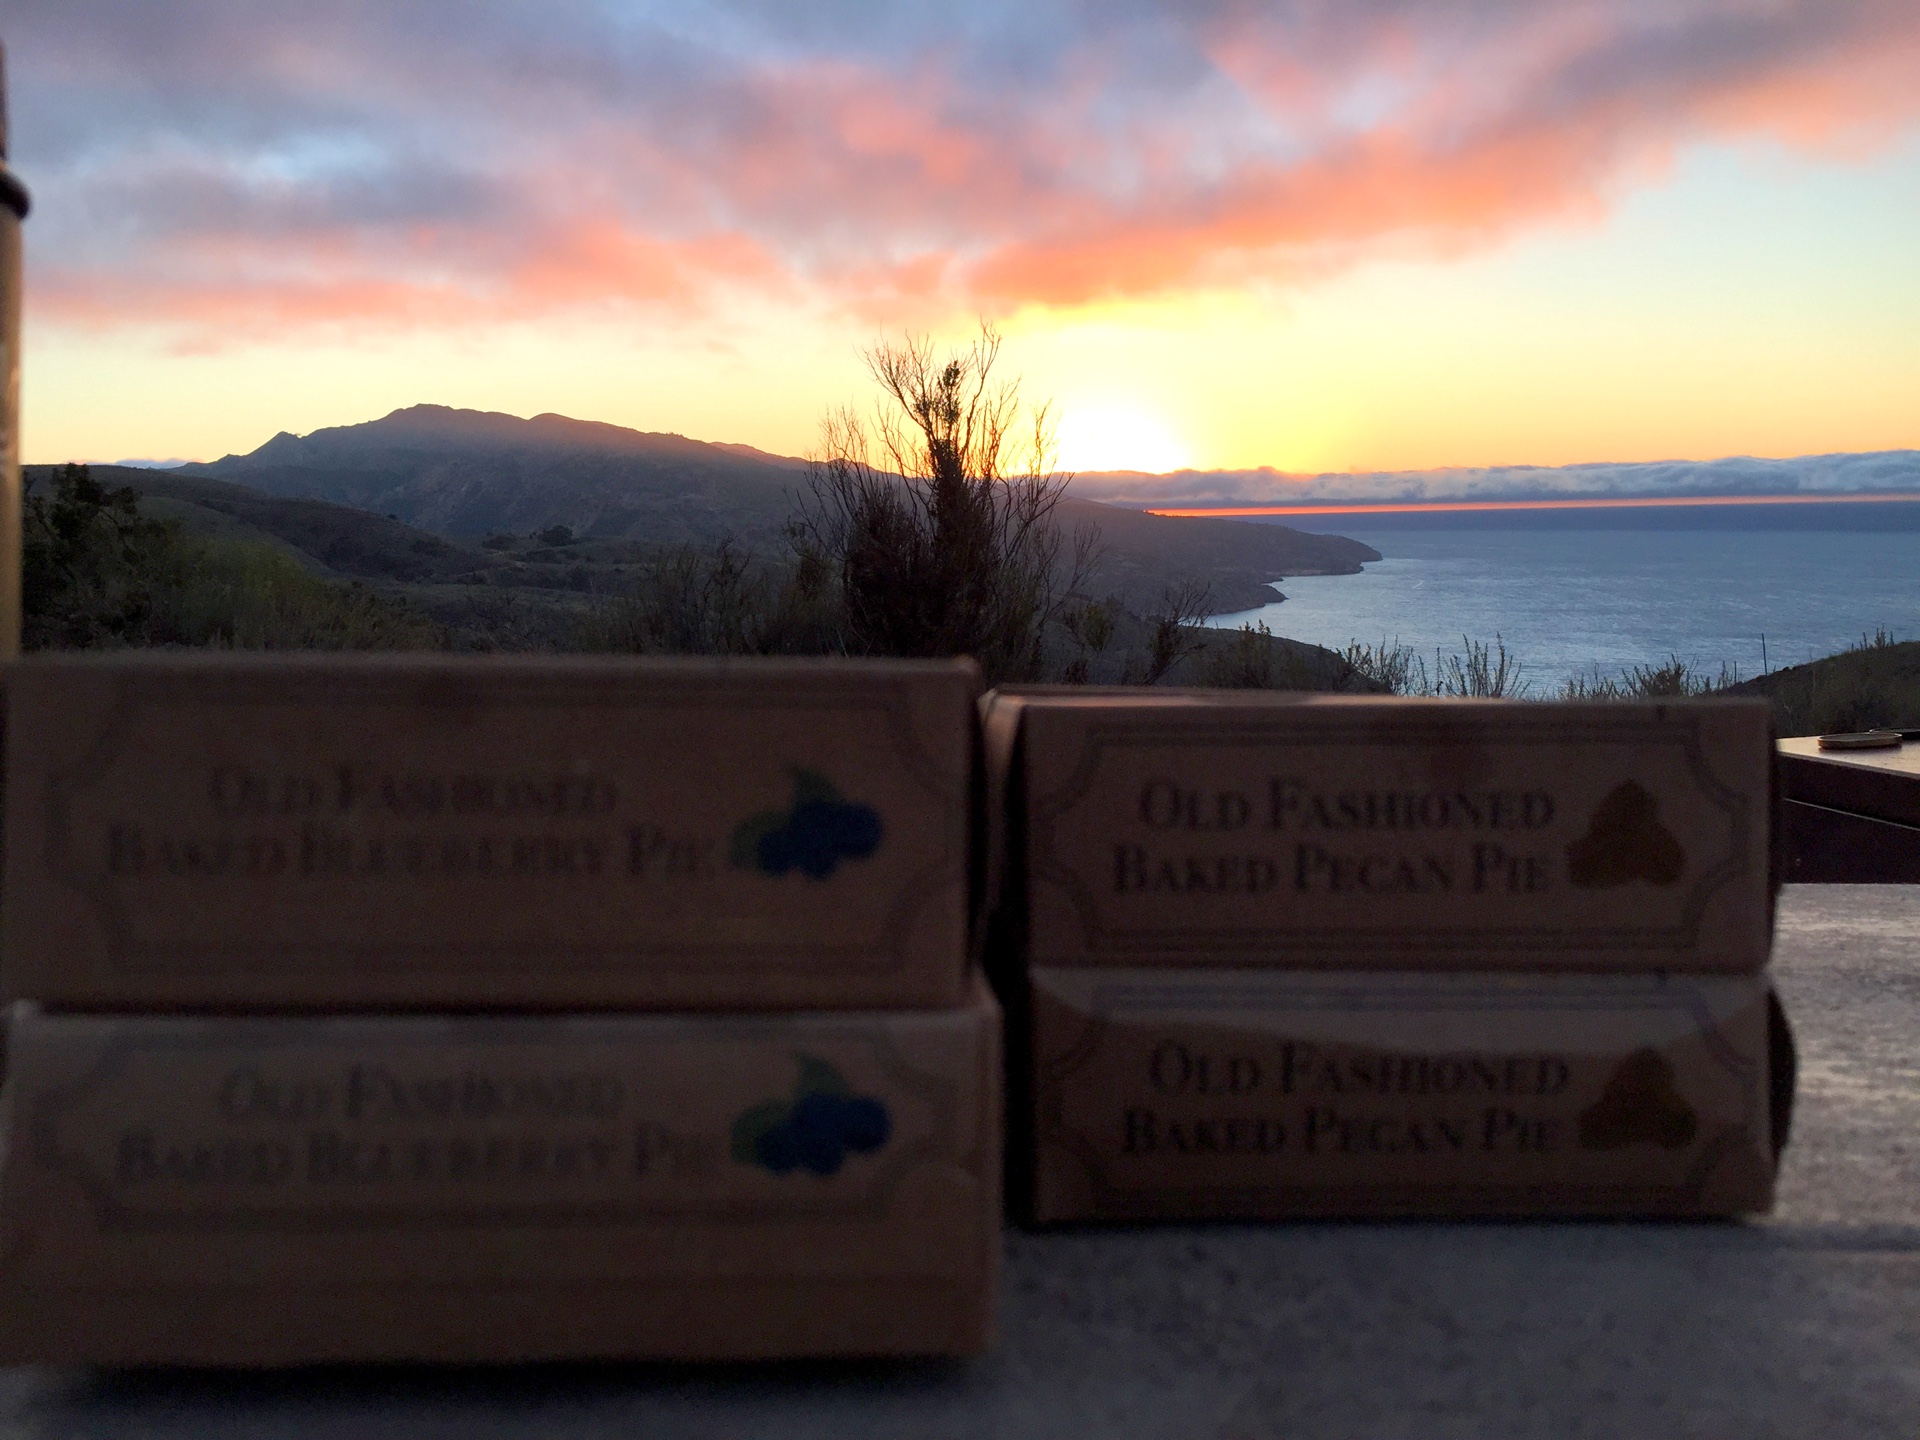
[
  {"x": 241, "y": 567},
  {"x": 1234, "y": 559},
  {"x": 1876, "y": 683},
  {"x": 329, "y": 539},
  {"x": 465, "y": 474}
]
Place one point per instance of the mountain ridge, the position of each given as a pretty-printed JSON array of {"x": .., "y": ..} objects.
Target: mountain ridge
[{"x": 467, "y": 474}]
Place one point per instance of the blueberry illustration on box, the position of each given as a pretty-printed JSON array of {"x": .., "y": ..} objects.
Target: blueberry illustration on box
[
  {"x": 815, "y": 1129},
  {"x": 813, "y": 835}
]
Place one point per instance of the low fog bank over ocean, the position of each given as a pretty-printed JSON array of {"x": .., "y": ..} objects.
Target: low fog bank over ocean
[
  {"x": 1863, "y": 472},
  {"x": 1567, "y": 596},
  {"x": 1857, "y": 515}
]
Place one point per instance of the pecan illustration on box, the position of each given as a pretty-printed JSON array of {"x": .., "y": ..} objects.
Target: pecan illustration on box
[
  {"x": 1641, "y": 1105},
  {"x": 1626, "y": 842}
]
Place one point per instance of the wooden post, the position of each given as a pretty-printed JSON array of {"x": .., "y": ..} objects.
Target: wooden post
[{"x": 13, "y": 209}]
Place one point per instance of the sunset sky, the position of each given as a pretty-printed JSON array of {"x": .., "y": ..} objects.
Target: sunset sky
[{"x": 1321, "y": 235}]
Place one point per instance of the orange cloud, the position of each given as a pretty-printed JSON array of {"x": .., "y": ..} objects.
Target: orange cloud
[
  {"x": 234, "y": 175},
  {"x": 228, "y": 289}
]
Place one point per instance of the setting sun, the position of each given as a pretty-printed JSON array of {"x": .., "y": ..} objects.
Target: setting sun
[{"x": 1117, "y": 438}]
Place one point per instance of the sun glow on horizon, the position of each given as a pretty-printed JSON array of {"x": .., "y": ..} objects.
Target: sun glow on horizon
[
  {"x": 1506, "y": 296},
  {"x": 1119, "y": 437}
]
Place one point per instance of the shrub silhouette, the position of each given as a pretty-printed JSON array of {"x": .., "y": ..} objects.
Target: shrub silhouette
[
  {"x": 98, "y": 574},
  {"x": 721, "y": 601},
  {"x": 90, "y": 563},
  {"x": 1481, "y": 671},
  {"x": 938, "y": 527}
]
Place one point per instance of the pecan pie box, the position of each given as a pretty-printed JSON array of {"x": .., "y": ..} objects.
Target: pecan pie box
[
  {"x": 1343, "y": 832},
  {"x": 244, "y": 1190},
  {"x": 1163, "y": 1093},
  {"x": 405, "y": 831}
]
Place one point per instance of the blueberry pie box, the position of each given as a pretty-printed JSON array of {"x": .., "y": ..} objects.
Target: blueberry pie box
[
  {"x": 312, "y": 832},
  {"x": 1352, "y": 832},
  {"x": 1176, "y": 1093},
  {"x": 238, "y": 1190}
]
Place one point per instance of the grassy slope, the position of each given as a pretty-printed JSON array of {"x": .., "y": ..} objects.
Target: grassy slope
[{"x": 1858, "y": 689}]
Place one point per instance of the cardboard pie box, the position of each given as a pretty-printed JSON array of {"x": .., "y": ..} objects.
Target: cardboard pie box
[
  {"x": 405, "y": 831},
  {"x": 1344, "y": 832},
  {"x": 243, "y": 1191},
  {"x": 1260, "y": 1094}
]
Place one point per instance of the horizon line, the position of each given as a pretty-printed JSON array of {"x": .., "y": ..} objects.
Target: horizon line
[{"x": 1609, "y": 502}]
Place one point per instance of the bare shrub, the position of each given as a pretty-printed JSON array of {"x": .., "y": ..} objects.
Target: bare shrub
[
  {"x": 1243, "y": 660},
  {"x": 721, "y": 602},
  {"x": 1090, "y": 627},
  {"x": 1395, "y": 668},
  {"x": 1675, "y": 680},
  {"x": 1484, "y": 672},
  {"x": 937, "y": 523},
  {"x": 1172, "y": 633}
]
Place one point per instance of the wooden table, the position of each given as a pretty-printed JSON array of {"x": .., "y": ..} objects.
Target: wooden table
[{"x": 1849, "y": 816}]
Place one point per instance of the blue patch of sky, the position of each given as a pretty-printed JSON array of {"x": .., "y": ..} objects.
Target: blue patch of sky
[{"x": 1758, "y": 234}]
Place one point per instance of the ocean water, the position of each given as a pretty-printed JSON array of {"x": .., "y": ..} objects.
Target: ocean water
[{"x": 1565, "y": 602}]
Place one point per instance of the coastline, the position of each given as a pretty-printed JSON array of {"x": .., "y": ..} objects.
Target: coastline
[{"x": 1565, "y": 603}]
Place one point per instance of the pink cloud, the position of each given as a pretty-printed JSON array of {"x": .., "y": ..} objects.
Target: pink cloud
[{"x": 423, "y": 165}]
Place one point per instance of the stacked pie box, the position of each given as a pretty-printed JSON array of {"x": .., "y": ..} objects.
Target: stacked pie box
[
  {"x": 1285, "y": 956},
  {"x": 466, "y": 1010}
]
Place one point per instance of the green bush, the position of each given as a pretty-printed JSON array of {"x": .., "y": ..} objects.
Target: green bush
[
  {"x": 242, "y": 595},
  {"x": 89, "y": 563},
  {"x": 97, "y": 574}
]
